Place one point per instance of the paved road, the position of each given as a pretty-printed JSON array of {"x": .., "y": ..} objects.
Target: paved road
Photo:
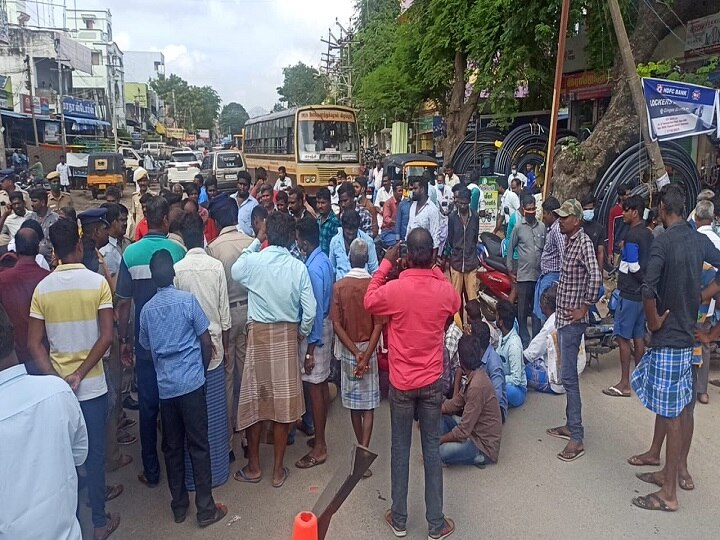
[{"x": 529, "y": 493}]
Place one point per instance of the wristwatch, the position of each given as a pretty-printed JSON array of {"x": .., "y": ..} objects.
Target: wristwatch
[{"x": 308, "y": 356}]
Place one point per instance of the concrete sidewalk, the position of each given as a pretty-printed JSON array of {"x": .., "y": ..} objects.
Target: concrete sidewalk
[{"x": 529, "y": 493}]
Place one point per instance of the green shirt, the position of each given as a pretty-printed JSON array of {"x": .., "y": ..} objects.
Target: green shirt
[{"x": 37, "y": 170}]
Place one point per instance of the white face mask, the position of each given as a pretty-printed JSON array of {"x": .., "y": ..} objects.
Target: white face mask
[{"x": 588, "y": 215}]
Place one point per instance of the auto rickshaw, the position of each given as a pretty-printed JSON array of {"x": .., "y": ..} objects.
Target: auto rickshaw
[
  {"x": 105, "y": 169},
  {"x": 404, "y": 166}
]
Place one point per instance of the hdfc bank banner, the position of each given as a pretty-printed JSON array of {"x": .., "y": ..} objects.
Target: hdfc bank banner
[{"x": 677, "y": 110}]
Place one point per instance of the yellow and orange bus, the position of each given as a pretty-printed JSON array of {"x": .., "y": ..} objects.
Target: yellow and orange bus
[{"x": 313, "y": 143}]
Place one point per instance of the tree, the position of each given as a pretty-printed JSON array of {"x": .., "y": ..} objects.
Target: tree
[
  {"x": 302, "y": 85},
  {"x": 192, "y": 107},
  {"x": 278, "y": 107},
  {"x": 232, "y": 118},
  {"x": 577, "y": 171}
]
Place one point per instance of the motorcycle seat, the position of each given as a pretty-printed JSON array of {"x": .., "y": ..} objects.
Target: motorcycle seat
[{"x": 497, "y": 263}]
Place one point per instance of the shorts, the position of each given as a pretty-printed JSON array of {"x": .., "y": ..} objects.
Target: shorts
[{"x": 629, "y": 319}]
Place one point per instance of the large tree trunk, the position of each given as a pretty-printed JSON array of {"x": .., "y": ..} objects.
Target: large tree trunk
[
  {"x": 577, "y": 172},
  {"x": 460, "y": 110}
]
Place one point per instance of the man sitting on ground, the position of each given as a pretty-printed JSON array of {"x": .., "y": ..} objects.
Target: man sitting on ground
[
  {"x": 510, "y": 351},
  {"x": 474, "y": 438}
]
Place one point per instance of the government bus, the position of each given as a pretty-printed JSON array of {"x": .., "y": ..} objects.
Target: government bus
[{"x": 313, "y": 143}]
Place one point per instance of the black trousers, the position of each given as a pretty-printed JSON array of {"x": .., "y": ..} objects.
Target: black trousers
[
  {"x": 185, "y": 417},
  {"x": 526, "y": 299}
]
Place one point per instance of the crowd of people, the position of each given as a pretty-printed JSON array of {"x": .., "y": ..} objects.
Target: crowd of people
[{"x": 231, "y": 315}]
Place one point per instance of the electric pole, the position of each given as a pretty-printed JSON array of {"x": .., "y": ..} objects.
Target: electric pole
[
  {"x": 653, "y": 148},
  {"x": 32, "y": 98},
  {"x": 559, "y": 63}
]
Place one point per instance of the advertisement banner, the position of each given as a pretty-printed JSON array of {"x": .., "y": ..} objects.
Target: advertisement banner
[
  {"x": 39, "y": 105},
  {"x": 703, "y": 35},
  {"x": 677, "y": 110},
  {"x": 79, "y": 107},
  {"x": 175, "y": 133},
  {"x": 203, "y": 133},
  {"x": 488, "y": 188},
  {"x": 52, "y": 132}
]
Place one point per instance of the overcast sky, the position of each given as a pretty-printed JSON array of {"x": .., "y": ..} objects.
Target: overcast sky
[{"x": 239, "y": 47}]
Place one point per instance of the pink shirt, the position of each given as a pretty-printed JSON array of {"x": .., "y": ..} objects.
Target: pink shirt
[{"x": 417, "y": 305}]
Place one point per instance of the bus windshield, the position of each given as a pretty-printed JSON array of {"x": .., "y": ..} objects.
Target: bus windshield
[{"x": 327, "y": 140}]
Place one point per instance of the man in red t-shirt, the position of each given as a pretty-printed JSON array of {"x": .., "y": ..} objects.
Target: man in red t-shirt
[
  {"x": 616, "y": 225},
  {"x": 417, "y": 305}
]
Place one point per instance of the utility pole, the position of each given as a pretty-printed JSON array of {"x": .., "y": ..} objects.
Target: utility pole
[
  {"x": 3, "y": 160},
  {"x": 559, "y": 63},
  {"x": 653, "y": 148},
  {"x": 32, "y": 98},
  {"x": 60, "y": 104}
]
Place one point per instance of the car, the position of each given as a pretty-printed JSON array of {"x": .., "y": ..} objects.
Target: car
[
  {"x": 224, "y": 165},
  {"x": 182, "y": 168}
]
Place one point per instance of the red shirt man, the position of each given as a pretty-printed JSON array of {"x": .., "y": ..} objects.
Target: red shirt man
[
  {"x": 418, "y": 305},
  {"x": 16, "y": 289}
]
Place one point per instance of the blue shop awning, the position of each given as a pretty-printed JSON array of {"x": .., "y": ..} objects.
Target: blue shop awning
[
  {"x": 28, "y": 116},
  {"x": 86, "y": 121}
]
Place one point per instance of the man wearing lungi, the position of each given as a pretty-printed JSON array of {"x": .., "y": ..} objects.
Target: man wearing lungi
[
  {"x": 315, "y": 351},
  {"x": 281, "y": 307},
  {"x": 663, "y": 380}
]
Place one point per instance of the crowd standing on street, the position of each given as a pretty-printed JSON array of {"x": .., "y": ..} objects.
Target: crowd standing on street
[{"x": 230, "y": 315}]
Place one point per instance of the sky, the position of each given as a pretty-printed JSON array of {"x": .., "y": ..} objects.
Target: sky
[{"x": 238, "y": 47}]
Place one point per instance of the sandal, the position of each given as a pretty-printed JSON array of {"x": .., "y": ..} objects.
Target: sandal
[
  {"x": 637, "y": 461},
  {"x": 558, "y": 432},
  {"x": 614, "y": 392},
  {"x": 113, "y": 522},
  {"x": 126, "y": 438},
  {"x": 113, "y": 492},
  {"x": 240, "y": 476},
  {"x": 145, "y": 481},
  {"x": 645, "y": 503},
  {"x": 308, "y": 462},
  {"x": 220, "y": 512},
  {"x": 569, "y": 456},
  {"x": 286, "y": 473},
  {"x": 127, "y": 422},
  {"x": 649, "y": 478}
]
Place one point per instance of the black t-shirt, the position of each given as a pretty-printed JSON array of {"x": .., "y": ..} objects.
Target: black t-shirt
[
  {"x": 596, "y": 232},
  {"x": 629, "y": 283}
]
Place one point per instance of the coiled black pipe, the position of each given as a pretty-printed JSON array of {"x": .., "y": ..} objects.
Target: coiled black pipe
[
  {"x": 524, "y": 144},
  {"x": 628, "y": 169},
  {"x": 476, "y": 151}
]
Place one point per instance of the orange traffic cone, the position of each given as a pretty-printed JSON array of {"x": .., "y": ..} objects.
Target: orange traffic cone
[{"x": 305, "y": 527}]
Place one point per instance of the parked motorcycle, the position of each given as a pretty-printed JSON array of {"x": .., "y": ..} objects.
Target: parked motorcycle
[{"x": 494, "y": 281}]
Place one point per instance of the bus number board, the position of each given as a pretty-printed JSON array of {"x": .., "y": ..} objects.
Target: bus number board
[{"x": 327, "y": 116}]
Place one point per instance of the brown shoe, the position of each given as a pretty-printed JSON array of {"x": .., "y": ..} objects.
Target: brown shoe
[{"x": 447, "y": 530}]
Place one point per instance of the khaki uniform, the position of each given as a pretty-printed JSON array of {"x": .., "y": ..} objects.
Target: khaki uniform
[
  {"x": 5, "y": 198},
  {"x": 61, "y": 201}
]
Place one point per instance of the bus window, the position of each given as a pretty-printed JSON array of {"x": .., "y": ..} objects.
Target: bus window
[{"x": 328, "y": 138}]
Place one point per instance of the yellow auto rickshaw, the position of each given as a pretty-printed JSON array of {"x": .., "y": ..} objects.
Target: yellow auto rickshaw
[
  {"x": 105, "y": 169},
  {"x": 405, "y": 166}
]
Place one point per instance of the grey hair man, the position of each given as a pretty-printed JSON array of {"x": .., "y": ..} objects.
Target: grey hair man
[{"x": 358, "y": 253}]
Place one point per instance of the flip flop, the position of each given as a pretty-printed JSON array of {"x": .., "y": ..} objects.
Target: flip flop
[
  {"x": 220, "y": 512},
  {"x": 637, "y": 462},
  {"x": 113, "y": 522},
  {"x": 644, "y": 503},
  {"x": 308, "y": 462},
  {"x": 555, "y": 432},
  {"x": 715, "y": 382},
  {"x": 286, "y": 473},
  {"x": 614, "y": 392},
  {"x": 649, "y": 478},
  {"x": 145, "y": 481},
  {"x": 570, "y": 456},
  {"x": 240, "y": 476}
]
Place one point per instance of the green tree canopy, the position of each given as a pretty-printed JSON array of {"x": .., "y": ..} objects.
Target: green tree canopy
[
  {"x": 302, "y": 85},
  {"x": 192, "y": 107},
  {"x": 232, "y": 118}
]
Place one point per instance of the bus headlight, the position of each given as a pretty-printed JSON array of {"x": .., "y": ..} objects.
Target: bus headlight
[{"x": 309, "y": 179}]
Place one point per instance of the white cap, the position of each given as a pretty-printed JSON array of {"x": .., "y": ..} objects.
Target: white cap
[{"x": 139, "y": 173}]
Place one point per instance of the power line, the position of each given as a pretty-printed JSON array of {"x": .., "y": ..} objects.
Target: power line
[{"x": 647, "y": 3}]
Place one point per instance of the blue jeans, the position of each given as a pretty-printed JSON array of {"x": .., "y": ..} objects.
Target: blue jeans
[
  {"x": 95, "y": 414},
  {"x": 515, "y": 394},
  {"x": 544, "y": 282},
  {"x": 569, "y": 337},
  {"x": 426, "y": 402},
  {"x": 149, "y": 402},
  {"x": 458, "y": 453}
]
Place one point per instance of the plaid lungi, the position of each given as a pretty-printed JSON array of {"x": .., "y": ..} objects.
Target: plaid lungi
[
  {"x": 663, "y": 380},
  {"x": 359, "y": 394},
  {"x": 217, "y": 431},
  {"x": 271, "y": 387},
  {"x": 322, "y": 356}
]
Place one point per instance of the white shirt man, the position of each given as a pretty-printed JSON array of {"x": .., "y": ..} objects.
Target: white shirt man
[
  {"x": 428, "y": 217},
  {"x": 40, "y": 486},
  {"x": 452, "y": 180},
  {"x": 282, "y": 184},
  {"x": 515, "y": 174},
  {"x": 707, "y": 230},
  {"x": 509, "y": 200},
  {"x": 64, "y": 171},
  {"x": 377, "y": 177}
]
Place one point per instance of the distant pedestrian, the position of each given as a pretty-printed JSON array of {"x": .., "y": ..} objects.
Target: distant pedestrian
[{"x": 64, "y": 171}]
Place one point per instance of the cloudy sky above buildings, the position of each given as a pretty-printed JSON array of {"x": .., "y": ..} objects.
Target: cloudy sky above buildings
[{"x": 239, "y": 47}]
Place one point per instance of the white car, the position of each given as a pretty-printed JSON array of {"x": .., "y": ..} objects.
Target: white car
[{"x": 182, "y": 167}]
